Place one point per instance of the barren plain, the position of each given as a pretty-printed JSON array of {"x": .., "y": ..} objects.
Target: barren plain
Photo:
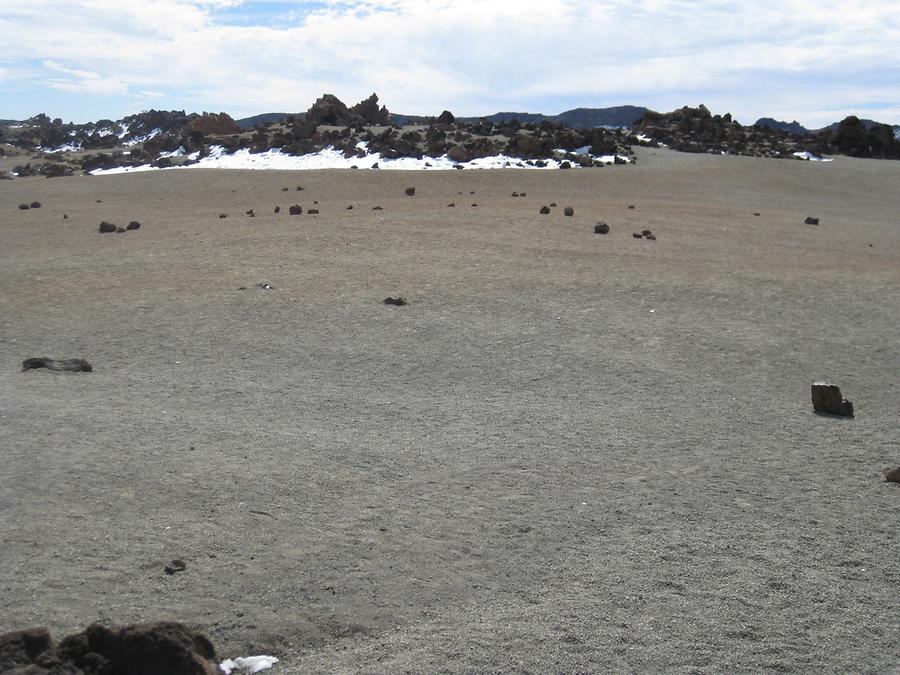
[{"x": 568, "y": 451}]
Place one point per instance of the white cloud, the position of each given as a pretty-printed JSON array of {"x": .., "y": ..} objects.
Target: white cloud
[{"x": 471, "y": 56}]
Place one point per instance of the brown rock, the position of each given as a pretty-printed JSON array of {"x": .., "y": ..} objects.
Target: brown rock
[
  {"x": 544, "y": 210},
  {"x": 458, "y": 154},
  {"x": 568, "y": 211},
  {"x": 892, "y": 475},
  {"x": 827, "y": 398},
  {"x": 410, "y": 191}
]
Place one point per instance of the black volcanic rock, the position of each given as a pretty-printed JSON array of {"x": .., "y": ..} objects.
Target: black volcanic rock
[
  {"x": 330, "y": 110},
  {"x": 368, "y": 112}
]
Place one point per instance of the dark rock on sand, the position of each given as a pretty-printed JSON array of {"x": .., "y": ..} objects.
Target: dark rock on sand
[
  {"x": 650, "y": 236},
  {"x": 277, "y": 209},
  {"x": 251, "y": 214},
  {"x": 410, "y": 191},
  {"x": 827, "y": 398},
  {"x": 24, "y": 207},
  {"x": 106, "y": 228},
  {"x": 312, "y": 212},
  {"x": 176, "y": 565},
  {"x": 120, "y": 229},
  {"x": 295, "y": 210},
  {"x": 552, "y": 205},
  {"x": 141, "y": 649},
  {"x": 811, "y": 221},
  {"x": 631, "y": 206},
  {"x": 398, "y": 301},
  {"x": 134, "y": 225},
  {"x": 377, "y": 208},
  {"x": 458, "y": 154},
  {"x": 35, "y": 205},
  {"x": 892, "y": 475},
  {"x": 223, "y": 215},
  {"x": 544, "y": 210},
  {"x": 70, "y": 365},
  {"x": 451, "y": 205},
  {"x": 568, "y": 211},
  {"x": 637, "y": 235},
  {"x": 601, "y": 228}
]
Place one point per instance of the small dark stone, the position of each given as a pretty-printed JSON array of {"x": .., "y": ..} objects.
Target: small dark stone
[
  {"x": 568, "y": 211},
  {"x": 631, "y": 206},
  {"x": 295, "y": 210},
  {"x": 397, "y": 302},
  {"x": 251, "y": 214},
  {"x": 756, "y": 214},
  {"x": 827, "y": 398},
  {"x": 646, "y": 232},
  {"x": 410, "y": 191},
  {"x": 892, "y": 475},
  {"x": 120, "y": 229},
  {"x": 811, "y": 221},
  {"x": 601, "y": 228},
  {"x": 565, "y": 165},
  {"x": 24, "y": 207},
  {"x": 474, "y": 204},
  {"x": 105, "y": 227},
  {"x": 637, "y": 235},
  {"x": 312, "y": 212},
  {"x": 544, "y": 210},
  {"x": 350, "y": 208},
  {"x": 134, "y": 225},
  {"x": 176, "y": 565},
  {"x": 377, "y": 208},
  {"x": 522, "y": 194},
  {"x": 285, "y": 189},
  {"x": 68, "y": 365},
  {"x": 452, "y": 204},
  {"x": 35, "y": 205},
  {"x": 651, "y": 236},
  {"x": 223, "y": 215},
  {"x": 515, "y": 194},
  {"x": 65, "y": 216},
  {"x": 375, "y": 165},
  {"x": 552, "y": 205},
  {"x": 299, "y": 188},
  {"x": 277, "y": 209}
]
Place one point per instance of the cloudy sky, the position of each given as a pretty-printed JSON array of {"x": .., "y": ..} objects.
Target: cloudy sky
[{"x": 815, "y": 61}]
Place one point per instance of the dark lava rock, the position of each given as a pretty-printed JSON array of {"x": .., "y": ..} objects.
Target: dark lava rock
[
  {"x": 134, "y": 225},
  {"x": 285, "y": 189},
  {"x": 637, "y": 235},
  {"x": 458, "y": 154},
  {"x": 515, "y": 194},
  {"x": 565, "y": 165},
  {"x": 24, "y": 207},
  {"x": 35, "y": 205},
  {"x": 811, "y": 221},
  {"x": 756, "y": 214},
  {"x": 544, "y": 210},
  {"x": 312, "y": 212},
  {"x": 410, "y": 191},
  {"x": 892, "y": 475},
  {"x": 295, "y": 210},
  {"x": 631, "y": 206},
  {"x": 106, "y": 228},
  {"x": 223, "y": 215},
  {"x": 299, "y": 188},
  {"x": 451, "y": 205},
  {"x": 446, "y": 117},
  {"x": 69, "y": 365},
  {"x": 65, "y": 216},
  {"x": 377, "y": 208},
  {"x": 568, "y": 211},
  {"x": 651, "y": 236},
  {"x": 552, "y": 205},
  {"x": 140, "y": 649},
  {"x": 350, "y": 208},
  {"x": 120, "y": 229},
  {"x": 827, "y": 398},
  {"x": 251, "y": 214},
  {"x": 176, "y": 565},
  {"x": 646, "y": 233},
  {"x": 277, "y": 209},
  {"x": 398, "y": 301},
  {"x": 601, "y": 228}
]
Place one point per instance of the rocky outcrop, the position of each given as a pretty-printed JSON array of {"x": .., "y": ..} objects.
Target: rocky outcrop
[
  {"x": 330, "y": 110},
  {"x": 214, "y": 124},
  {"x": 368, "y": 112},
  {"x": 827, "y": 399},
  {"x": 140, "y": 649},
  {"x": 68, "y": 365}
]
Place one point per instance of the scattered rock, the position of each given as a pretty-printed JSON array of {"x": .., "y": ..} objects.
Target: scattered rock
[
  {"x": 474, "y": 204},
  {"x": 65, "y": 216},
  {"x": 295, "y": 210},
  {"x": 24, "y": 207},
  {"x": 285, "y": 189},
  {"x": 106, "y": 228},
  {"x": 265, "y": 286},
  {"x": 811, "y": 221},
  {"x": 312, "y": 212},
  {"x": 544, "y": 210},
  {"x": 120, "y": 229},
  {"x": 827, "y": 398},
  {"x": 515, "y": 194},
  {"x": 552, "y": 205},
  {"x": 410, "y": 191},
  {"x": 176, "y": 565},
  {"x": 637, "y": 235},
  {"x": 892, "y": 475},
  {"x": 650, "y": 236},
  {"x": 277, "y": 209},
  {"x": 251, "y": 214},
  {"x": 451, "y": 205},
  {"x": 601, "y": 228},
  {"x": 631, "y": 206},
  {"x": 164, "y": 647},
  {"x": 458, "y": 154},
  {"x": 134, "y": 225},
  {"x": 756, "y": 214},
  {"x": 377, "y": 208},
  {"x": 568, "y": 211},
  {"x": 223, "y": 215},
  {"x": 299, "y": 188},
  {"x": 523, "y": 194},
  {"x": 350, "y": 208},
  {"x": 69, "y": 365},
  {"x": 646, "y": 233},
  {"x": 35, "y": 205},
  {"x": 398, "y": 301}
]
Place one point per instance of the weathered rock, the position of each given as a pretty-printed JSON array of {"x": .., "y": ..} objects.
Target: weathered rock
[
  {"x": 568, "y": 211},
  {"x": 637, "y": 235},
  {"x": 24, "y": 207},
  {"x": 30, "y": 647},
  {"x": 601, "y": 228},
  {"x": 651, "y": 236},
  {"x": 69, "y": 365},
  {"x": 35, "y": 205},
  {"x": 377, "y": 208},
  {"x": 544, "y": 210},
  {"x": 134, "y": 225},
  {"x": 458, "y": 154},
  {"x": 827, "y": 398},
  {"x": 397, "y": 302},
  {"x": 106, "y": 228},
  {"x": 277, "y": 209},
  {"x": 223, "y": 215},
  {"x": 410, "y": 191},
  {"x": 313, "y": 212},
  {"x": 446, "y": 117},
  {"x": 892, "y": 475},
  {"x": 295, "y": 210},
  {"x": 811, "y": 221},
  {"x": 176, "y": 565},
  {"x": 120, "y": 229}
]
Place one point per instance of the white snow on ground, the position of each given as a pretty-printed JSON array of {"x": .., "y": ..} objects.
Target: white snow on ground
[
  {"x": 643, "y": 139},
  {"x": 175, "y": 153},
  {"x": 811, "y": 156},
  {"x": 247, "y": 665},
  {"x": 141, "y": 139},
  {"x": 329, "y": 158},
  {"x": 67, "y": 147}
]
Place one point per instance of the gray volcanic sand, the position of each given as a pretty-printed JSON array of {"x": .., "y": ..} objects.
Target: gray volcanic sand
[{"x": 567, "y": 452}]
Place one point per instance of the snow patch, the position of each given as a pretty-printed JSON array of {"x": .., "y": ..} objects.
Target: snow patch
[
  {"x": 247, "y": 665},
  {"x": 811, "y": 156},
  {"x": 66, "y": 147}
]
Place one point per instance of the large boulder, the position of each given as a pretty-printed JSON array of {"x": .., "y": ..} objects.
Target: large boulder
[
  {"x": 827, "y": 398},
  {"x": 330, "y": 110},
  {"x": 368, "y": 112},
  {"x": 213, "y": 124}
]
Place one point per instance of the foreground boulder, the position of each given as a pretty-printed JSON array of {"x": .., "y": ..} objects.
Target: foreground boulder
[
  {"x": 892, "y": 475},
  {"x": 827, "y": 398},
  {"x": 69, "y": 365},
  {"x": 106, "y": 228},
  {"x": 140, "y": 649}
]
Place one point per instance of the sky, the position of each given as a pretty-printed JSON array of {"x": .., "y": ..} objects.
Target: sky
[{"x": 814, "y": 61}]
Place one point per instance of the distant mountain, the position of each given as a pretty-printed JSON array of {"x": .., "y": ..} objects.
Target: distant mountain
[
  {"x": 264, "y": 118},
  {"x": 790, "y": 127},
  {"x": 578, "y": 118}
]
